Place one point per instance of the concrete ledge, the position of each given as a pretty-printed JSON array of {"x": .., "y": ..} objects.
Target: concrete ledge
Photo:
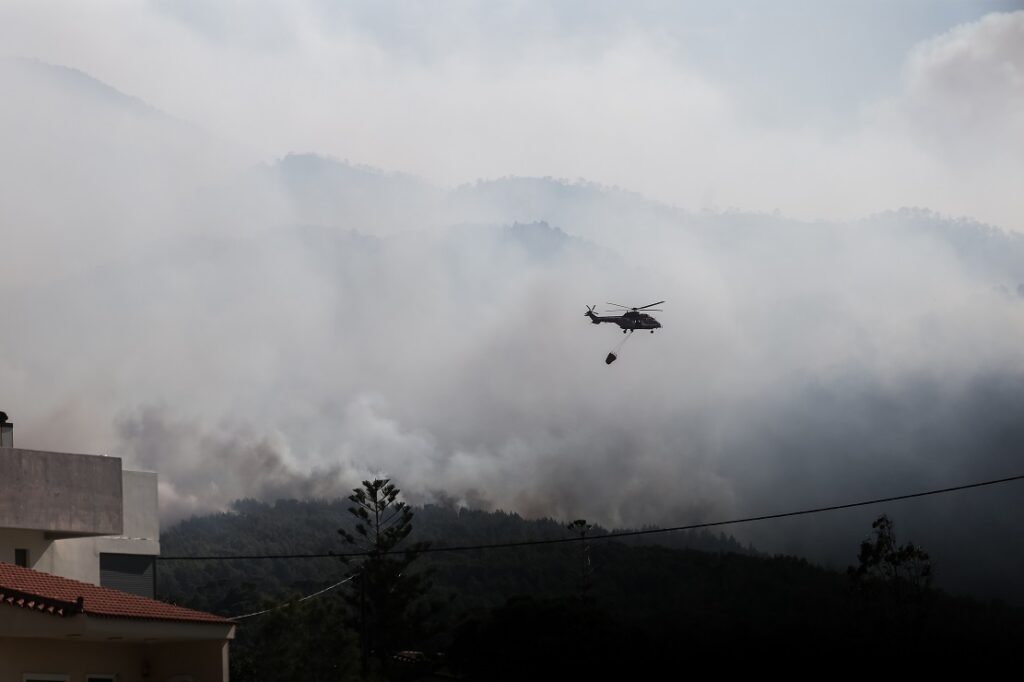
[{"x": 63, "y": 494}]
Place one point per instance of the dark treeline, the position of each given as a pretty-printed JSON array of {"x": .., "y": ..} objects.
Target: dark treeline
[
  {"x": 559, "y": 609},
  {"x": 311, "y": 527}
]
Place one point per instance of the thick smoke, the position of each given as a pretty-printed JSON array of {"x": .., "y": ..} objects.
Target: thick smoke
[
  {"x": 289, "y": 328},
  {"x": 815, "y": 109}
]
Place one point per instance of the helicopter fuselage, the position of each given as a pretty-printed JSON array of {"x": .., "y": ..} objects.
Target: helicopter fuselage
[{"x": 629, "y": 321}]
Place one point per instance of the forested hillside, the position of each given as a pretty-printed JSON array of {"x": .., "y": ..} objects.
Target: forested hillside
[
  {"x": 502, "y": 613},
  {"x": 311, "y": 527}
]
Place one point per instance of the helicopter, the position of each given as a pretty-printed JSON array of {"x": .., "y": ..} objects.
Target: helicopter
[{"x": 630, "y": 320}]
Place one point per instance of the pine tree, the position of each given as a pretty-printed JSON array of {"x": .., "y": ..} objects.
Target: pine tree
[
  {"x": 386, "y": 591},
  {"x": 893, "y": 579}
]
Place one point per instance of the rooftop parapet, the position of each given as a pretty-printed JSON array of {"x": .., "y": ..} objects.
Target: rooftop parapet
[{"x": 63, "y": 494}]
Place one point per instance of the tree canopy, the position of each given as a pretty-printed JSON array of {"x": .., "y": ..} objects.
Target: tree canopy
[{"x": 387, "y": 591}]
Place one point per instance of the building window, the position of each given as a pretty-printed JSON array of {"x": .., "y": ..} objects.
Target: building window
[
  {"x": 134, "y": 573},
  {"x": 21, "y": 557},
  {"x": 44, "y": 677}
]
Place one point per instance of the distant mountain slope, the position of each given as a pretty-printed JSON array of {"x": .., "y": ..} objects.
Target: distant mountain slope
[
  {"x": 519, "y": 602},
  {"x": 368, "y": 199},
  {"x": 325, "y": 191},
  {"x": 76, "y": 84},
  {"x": 985, "y": 250},
  {"x": 310, "y": 527},
  {"x": 89, "y": 173}
]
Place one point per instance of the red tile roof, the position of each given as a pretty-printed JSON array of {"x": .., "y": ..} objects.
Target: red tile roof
[{"x": 26, "y": 588}]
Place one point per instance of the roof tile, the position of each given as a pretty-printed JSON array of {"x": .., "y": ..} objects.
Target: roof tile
[{"x": 41, "y": 591}]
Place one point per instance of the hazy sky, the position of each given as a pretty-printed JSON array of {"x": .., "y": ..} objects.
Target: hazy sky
[{"x": 820, "y": 109}]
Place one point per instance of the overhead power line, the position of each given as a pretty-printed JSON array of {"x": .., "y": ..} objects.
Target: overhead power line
[
  {"x": 608, "y": 536},
  {"x": 295, "y": 601}
]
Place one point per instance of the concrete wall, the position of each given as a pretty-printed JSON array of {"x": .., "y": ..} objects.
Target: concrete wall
[
  {"x": 61, "y": 493},
  {"x": 129, "y": 661},
  {"x": 75, "y": 558},
  {"x": 135, "y": 650},
  {"x": 33, "y": 540},
  {"x": 141, "y": 508},
  {"x": 79, "y": 558}
]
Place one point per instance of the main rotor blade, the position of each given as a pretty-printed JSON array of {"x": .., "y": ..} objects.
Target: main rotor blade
[
  {"x": 649, "y": 305},
  {"x": 620, "y": 305}
]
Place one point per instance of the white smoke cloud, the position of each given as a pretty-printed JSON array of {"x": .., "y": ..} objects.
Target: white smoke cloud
[
  {"x": 642, "y": 100},
  {"x": 287, "y": 329},
  {"x": 965, "y": 88}
]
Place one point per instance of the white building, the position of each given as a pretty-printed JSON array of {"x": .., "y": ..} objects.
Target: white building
[
  {"x": 79, "y": 537},
  {"x": 78, "y": 516}
]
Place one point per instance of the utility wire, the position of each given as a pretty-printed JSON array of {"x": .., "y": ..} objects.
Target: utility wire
[
  {"x": 608, "y": 536},
  {"x": 302, "y": 599}
]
